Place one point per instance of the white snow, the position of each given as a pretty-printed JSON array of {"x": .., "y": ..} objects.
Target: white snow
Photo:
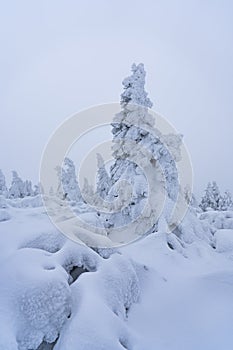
[
  {"x": 224, "y": 240},
  {"x": 164, "y": 291}
]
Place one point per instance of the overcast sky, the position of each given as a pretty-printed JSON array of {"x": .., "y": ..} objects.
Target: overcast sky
[{"x": 58, "y": 57}]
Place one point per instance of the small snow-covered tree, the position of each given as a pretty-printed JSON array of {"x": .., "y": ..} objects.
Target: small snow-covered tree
[
  {"x": 3, "y": 187},
  {"x": 227, "y": 203},
  {"x": 217, "y": 196},
  {"x": 28, "y": 191},
  {"x": 207, "y": 201},
  {"x": 190, "y": 197},
  {"x": 87, "y": 192},
  {"x": 70, "y": 185},
  {"x": 103, "y": 179},
  {"x": 17, "y": 189},
  {"x": 38, "y": 189}
]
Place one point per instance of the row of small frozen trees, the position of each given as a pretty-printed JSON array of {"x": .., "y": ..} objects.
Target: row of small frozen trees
[
  {"x": 18, "y": 187},
  {"x": 214, "y": 200}
]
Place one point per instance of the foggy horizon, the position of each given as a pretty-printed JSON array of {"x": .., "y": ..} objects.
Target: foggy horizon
[{"x": 57, "y": 60}]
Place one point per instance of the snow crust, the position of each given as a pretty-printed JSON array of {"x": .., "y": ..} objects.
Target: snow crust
[{"x": 166, "y": 291}]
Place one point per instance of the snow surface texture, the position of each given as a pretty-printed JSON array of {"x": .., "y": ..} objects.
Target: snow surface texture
[
  {"x": 167, "y": 291},
  {"x": 43, "y": 294}
]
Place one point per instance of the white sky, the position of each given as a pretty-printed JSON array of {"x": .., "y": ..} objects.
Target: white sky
[{"x": 58, "y": 57}]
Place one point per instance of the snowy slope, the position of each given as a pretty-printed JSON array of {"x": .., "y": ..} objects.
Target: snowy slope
[{"x": 162, "y": 292}]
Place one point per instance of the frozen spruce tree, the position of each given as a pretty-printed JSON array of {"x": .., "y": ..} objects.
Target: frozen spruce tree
[
  {"x": 137, "y": 146},
  {"x": 133, "y": 96},
  {"x": 227, "y": 203},
  {"x": 3, "y": 187},
  {"x": 134, "y": 88},
  {"x": 37, "y": 190},
  {"x": 218, "y": 200},
  {"x": 70, "y": 185},
  {"x": 103, "y": 179},
  {"x": 17, "y": 189},
  {"x": 28, "y": 191},
  {"x": 88, "y": 192}
]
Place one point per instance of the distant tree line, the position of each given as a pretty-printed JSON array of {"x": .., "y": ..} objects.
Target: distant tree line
[{"x": 18, "y": 187}]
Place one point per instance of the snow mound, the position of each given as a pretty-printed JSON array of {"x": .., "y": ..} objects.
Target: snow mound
[
  {"x": 98, "y": 319},
  {"x": 3, "y": 202},
  {"x": 36, "y": 297},
  {"x": 26, "y": 202},
  {"x": 218, "y": 219},
  {"x": 224, "y": 240},
  {"x": 4, "y": 215},
  {"x": 48, "y": 241},
  {"x": 192, "y": 228}
]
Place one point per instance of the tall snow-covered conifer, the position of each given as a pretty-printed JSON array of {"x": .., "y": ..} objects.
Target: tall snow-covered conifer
[{"x": 130, "y": 140}]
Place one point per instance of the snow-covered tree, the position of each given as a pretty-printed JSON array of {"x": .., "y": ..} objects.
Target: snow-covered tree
[
  {"x": 17, "y": 189},
  {"x": 70, "y": 185},
  {"x": 133, "y": 143},
  {"x": 87, "y": 192},
  {"x": 103, "y": 179},
  {"x": 190, "y": 197},
  {"x": 124, "y": 131},
  {"x": 217, "y": 196},
  {"x": 212, "y": 198},
  {"x": 134, "y": 91},
  {"x": 3, "y": 187},
  {"x": 28, "y": 191},
  {"x": 227, "y": 203}
]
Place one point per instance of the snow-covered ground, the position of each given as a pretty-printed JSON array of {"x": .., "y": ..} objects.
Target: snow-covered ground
[{"x": 144, "y": 296}]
